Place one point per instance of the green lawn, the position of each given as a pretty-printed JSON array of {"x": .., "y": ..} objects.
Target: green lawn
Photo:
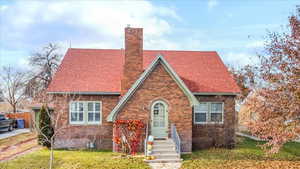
[
  {"x": 66, "y": 159},
  {"x": 246, "y": 155}
]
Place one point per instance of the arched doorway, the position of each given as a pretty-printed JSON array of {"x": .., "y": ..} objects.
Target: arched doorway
[{"x": 159, "y": 119}]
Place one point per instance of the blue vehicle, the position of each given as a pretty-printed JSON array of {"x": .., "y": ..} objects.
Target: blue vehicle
[{"x": 6, "y": 124}]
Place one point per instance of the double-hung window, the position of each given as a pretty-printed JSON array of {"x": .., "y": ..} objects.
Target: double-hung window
[
  {"x": 209, "y": 112},
  {"x": 85, "y": 112},
  {"x": 93, "y": 112},
  {"x": 216, "y": 112},
  {"x": 76, "y": 113},
  {"x": 201, "y": 113}
]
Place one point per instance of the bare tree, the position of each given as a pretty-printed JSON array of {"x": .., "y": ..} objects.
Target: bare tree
[
  {"x": 12, "y": 87},
  {"x": 1, "y": 95},
  {"x": 54, "y": 108},
  {"x": 44, "y": 64}
]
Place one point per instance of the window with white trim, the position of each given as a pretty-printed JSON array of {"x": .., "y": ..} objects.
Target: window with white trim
[
  {"x": 209, "y": 112},
  {"x": 85, "y": 112},
  {"x": 76, "y": 112},
  {"x": 216, "y": 112},
  {"x": 201, "y": 113},
  {"x": 93, "y": 112}
]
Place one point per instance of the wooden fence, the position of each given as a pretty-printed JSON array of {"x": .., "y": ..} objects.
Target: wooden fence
[{"x": 25, "y": 115}]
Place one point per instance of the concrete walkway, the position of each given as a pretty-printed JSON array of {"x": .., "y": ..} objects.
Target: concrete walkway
[
  {"x": 256, "y": 138},
  {"x": 248, "y": 136},
  {"x": 15, "y": 132},
  {"x": 165, "y": 165}
]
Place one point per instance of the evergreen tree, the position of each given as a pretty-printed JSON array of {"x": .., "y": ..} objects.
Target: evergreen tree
[{"x": 45, "y": 127}]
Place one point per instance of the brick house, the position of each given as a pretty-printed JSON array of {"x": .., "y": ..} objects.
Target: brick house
[{"x": 191, "y": 89}]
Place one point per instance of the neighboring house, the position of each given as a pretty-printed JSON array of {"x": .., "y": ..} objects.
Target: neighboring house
[
  {"x": 190, "y": 89},
  {"x": 244, "y": 117},
  {"x": 23, "y": 106}
]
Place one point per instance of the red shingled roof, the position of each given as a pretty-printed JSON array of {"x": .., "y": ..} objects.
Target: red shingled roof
[{"x": 100, "y": 70}]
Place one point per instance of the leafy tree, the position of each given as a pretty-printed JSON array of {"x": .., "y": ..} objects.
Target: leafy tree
[
  {"x": 277, "y": 102},
  {"x": 246, "y": 79}
]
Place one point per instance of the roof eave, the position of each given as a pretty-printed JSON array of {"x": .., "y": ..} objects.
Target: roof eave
[
  {"x": 86, "y": 93},
  {"x": 216, "y": 93}
]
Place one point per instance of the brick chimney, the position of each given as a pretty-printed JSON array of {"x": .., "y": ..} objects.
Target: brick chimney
[{"x": 133, "y": 65}]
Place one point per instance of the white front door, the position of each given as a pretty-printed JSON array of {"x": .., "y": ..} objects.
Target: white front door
[{"x": 159, "y": 119}]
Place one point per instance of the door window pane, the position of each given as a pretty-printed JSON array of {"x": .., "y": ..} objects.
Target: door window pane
[{"x": 159, "y": 115}]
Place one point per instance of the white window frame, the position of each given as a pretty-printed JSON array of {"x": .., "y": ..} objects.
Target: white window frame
[
  {"x": 222, "y": 112},
  {"x": 70, "y": 113},
  {"x": 85, "y": 113},
  {"x": 208, "y": 114}
]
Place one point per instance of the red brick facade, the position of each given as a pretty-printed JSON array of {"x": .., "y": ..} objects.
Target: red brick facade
[
  {"x": 77, "y": 136},
  {"x": 216, "y": 135},
  {"x": 160, "y": 86},
  {"x": 196, "y": 136}
]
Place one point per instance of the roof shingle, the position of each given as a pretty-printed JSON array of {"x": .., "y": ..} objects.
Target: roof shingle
[{"x": 100, "y": 70}]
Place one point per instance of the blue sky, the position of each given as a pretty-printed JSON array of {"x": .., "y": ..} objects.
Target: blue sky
[{"x": 233, "y": 28}]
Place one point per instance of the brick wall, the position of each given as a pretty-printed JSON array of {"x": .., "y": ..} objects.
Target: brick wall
[
  {"x": 160, "y": 86},
  {"x": 133, "y": 66},
  {"x": 208, "y": 135},
  {"x": 76, "y": 136}
]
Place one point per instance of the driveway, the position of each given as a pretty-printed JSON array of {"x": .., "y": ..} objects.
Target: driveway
[{"x": 15, "y": 132}]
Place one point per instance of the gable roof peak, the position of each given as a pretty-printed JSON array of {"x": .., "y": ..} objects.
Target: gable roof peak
[{"x": 159, "y": 59}]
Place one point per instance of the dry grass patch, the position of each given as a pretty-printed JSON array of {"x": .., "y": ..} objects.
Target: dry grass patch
[{"x": 16, "y": 139}]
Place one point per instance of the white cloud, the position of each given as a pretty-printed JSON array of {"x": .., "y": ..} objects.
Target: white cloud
[
  {"x": 212, "y": 3},
  {"x": 238, "y": 58},
  {"x": 102, "y": 20},
  {"x": 3, "y": 7},
  {"x": 255, "y": 44},
  {"x": 23, "y": 63}
]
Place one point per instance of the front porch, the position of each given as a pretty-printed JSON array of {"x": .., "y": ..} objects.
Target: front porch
[{"x": 163, "y": 150}]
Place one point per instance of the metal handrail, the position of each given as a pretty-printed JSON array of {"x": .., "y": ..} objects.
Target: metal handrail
[
  {"x": 176, "y": 138},
  {"x": 146, "y": 139}
]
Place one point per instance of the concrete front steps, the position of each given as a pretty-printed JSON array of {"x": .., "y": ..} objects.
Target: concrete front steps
[{"x": 164, "y": 152}]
